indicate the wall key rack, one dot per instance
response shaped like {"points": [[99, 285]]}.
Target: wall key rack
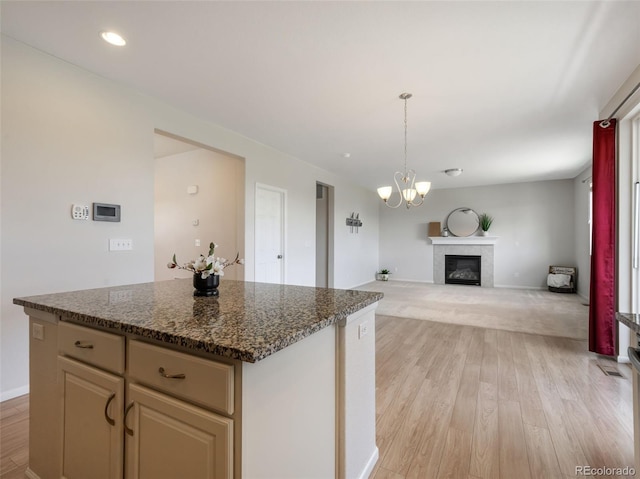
{"points": [[354, 222]]}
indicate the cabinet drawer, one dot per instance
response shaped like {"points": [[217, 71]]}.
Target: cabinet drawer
{"points": [[202, 381], [98, 348]]}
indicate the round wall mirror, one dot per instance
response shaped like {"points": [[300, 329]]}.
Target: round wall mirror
{"points": [[462, 222]]}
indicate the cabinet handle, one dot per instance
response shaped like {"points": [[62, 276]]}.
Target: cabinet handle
{"points": [[106, 410], [162, 373], [124, 421], [83, 345]]}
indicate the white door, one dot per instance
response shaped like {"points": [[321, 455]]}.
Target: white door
{"points": [[269, 243]]}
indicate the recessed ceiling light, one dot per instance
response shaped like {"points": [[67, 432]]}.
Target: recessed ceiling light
{"points": [[346, 155], [113, 38], [453, 171]]}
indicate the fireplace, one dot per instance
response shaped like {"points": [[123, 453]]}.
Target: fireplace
{"points": [[462, 269], [482, 246]]}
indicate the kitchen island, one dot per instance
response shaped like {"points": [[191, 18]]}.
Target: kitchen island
{"points": [[630, 320], [146, 380]]}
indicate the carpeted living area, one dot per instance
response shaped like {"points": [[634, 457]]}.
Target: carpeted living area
{"points": [[521, 310]]}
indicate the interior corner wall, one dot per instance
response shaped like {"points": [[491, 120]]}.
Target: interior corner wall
{"points": [[534, 222], [582, 231], [213, 207], [69, 136]]}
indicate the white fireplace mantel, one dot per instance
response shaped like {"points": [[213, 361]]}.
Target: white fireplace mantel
{"points": [[464, 240]]}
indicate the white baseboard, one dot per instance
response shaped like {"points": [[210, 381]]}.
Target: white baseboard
{"points": [[505, 286], [405, 280], [391, 280], [366, 472], [511, 286], [14, 393], [623, 359], [585, 298], [411, 280], [361, 284]]}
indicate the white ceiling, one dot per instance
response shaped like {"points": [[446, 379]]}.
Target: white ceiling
{"points": [[506, 90]]}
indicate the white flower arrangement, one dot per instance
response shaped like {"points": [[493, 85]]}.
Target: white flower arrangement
{"points": [[206, 265]]}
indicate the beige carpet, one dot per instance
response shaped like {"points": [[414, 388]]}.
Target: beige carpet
{"points": [[521, 310]]}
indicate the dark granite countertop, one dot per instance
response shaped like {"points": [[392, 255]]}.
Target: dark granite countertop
{"points": [[248, 321], [631, 320]]}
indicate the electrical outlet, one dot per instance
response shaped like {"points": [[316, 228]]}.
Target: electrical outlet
{"points": [[120, 244], [38, 331], [363, 330], [197, 242]]}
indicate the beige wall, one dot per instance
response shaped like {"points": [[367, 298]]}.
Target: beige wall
{"points": [[217, 207]]}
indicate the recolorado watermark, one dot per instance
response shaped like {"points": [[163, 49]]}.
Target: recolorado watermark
{"points": [[605, 471]]}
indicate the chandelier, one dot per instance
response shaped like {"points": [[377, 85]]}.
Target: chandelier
{"points": [[410, 193]]}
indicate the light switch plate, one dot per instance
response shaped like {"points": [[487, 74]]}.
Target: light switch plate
{"points": [[120, 244]]}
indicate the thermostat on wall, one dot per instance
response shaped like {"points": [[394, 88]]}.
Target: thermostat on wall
{"points": [[106, 212]]}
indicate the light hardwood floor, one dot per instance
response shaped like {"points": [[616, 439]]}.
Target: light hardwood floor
{"points": [[465, 402], [14, 437]]}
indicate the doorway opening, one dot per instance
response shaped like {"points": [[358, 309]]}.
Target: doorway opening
{"points": [[324, 235], [198, 199]]}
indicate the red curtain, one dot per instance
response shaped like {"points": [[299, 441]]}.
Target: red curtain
{"points": [[602, 324]]}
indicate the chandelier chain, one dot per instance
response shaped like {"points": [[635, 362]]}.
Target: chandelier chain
{"points": [[405, 135]]}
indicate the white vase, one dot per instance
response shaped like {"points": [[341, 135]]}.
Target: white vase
{"points": [[484, 233]]}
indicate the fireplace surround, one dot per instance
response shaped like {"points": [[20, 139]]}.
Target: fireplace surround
{"points": [[482, 246]]}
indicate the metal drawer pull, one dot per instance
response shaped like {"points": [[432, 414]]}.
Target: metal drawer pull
{"points": [[124, 421], [83, 345], [106, 410], [171, 376]]}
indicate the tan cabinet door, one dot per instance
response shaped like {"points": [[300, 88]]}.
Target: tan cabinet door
{"points": [[169, 438], [92, 411]]}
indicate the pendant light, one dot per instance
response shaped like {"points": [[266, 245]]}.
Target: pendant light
{"points": [[410, 193]]}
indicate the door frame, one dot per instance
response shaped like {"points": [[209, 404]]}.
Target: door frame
{"points": [[283, 228], [330, 231]]}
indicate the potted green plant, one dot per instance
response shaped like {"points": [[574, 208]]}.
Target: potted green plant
{"points": [[484, 220], [383, 275]]}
